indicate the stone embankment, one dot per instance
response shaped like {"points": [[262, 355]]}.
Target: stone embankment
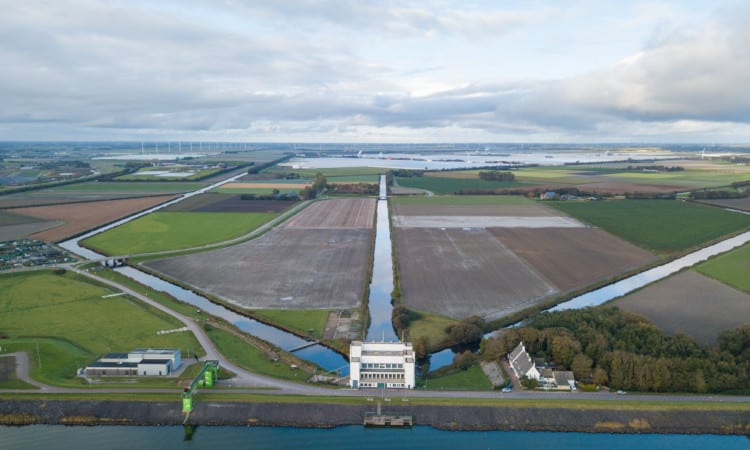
{"points": [[325, 415]]}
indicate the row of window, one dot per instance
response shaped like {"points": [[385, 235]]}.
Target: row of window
{"points": [[382, 366], [374, 385], [382, 376]]}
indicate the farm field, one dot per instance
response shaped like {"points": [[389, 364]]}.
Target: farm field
{"points": [[500, 255], [573, 258], [464, 272], [316, 260], [216, 202], [662, 226], [15, 226], [75, 218], [72, 324], [445, 185], [161, 231], [690, 303], [328, 172], [331, 214], [732, 268], [612, 179], [93, 191]]}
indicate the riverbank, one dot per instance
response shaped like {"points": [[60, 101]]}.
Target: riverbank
{"points": [[329, 415]]}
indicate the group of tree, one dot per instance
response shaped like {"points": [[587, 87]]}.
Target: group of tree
{"points": [[467, 331], [407, 173], [496, 175], [607, 346], [274, 195], [356, 188]]}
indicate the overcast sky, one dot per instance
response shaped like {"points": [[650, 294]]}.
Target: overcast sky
{"points": [[376, 71]]}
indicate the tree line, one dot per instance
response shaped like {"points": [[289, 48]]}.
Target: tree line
{"points": [[606, 346]]}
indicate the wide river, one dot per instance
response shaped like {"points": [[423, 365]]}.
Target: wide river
{"points": [[420, 437]]}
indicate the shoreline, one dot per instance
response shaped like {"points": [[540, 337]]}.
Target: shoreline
{"points": [[327, 415]]}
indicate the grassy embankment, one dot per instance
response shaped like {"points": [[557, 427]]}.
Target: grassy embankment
{"points": [[163, 231], [472, 378], [731, 268], [64, 322], [666, 227], [310, 322]]}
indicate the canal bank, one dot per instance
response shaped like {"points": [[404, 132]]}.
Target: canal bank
{"points": [[595, 418]]}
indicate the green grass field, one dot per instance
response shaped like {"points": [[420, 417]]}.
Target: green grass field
{"points": [[472, 378], [431, 326], [444, 185], [732, 268], [461, 200], [63, 323], [374, 178], [663, 226], [175, 230], [299, 320]]}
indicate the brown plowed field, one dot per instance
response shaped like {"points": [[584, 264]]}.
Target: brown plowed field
{"points": [[692, 304], [743, 204], [459, 273], [573, 258], [285, 268], [217, 202], [80, 217], [530, 210], [339, 213]]}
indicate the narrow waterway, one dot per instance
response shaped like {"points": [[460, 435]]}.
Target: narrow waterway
{"points": [[381, 286]]}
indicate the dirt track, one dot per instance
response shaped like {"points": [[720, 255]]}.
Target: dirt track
{"points": [[692, 304]]}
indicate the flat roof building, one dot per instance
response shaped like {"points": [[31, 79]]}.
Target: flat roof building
{"points": [[381, 365], [138, 362]]}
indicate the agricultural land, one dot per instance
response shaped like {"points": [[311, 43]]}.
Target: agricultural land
{"points": [[75, 218], [731, 268], [493, 256], [162, 231], [316, 260], [663, 226], [691, 304]]}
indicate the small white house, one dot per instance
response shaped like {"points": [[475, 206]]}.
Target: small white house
{"points": [[381, 365], [522, 364]]}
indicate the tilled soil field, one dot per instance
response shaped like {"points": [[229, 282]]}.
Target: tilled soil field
{"points": [[285, 268], [318, 261], [692, 304], [459, 273], [80, 217], [339, 213], [743, 204], [573, 258], [485, 222], [217, 202]]}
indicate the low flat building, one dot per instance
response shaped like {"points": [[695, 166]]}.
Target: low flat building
{"points": [[381, 365], [138, 362]]}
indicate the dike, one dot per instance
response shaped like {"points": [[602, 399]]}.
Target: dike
{"points": [[326, 415]]}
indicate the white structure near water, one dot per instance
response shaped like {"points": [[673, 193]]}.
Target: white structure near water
{"points": [[381, 365]]}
